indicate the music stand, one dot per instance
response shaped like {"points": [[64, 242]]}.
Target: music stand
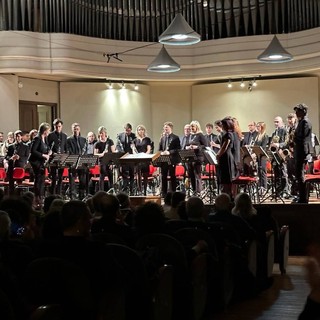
{"points": [[58, 159], [71, 162], [87, 161], [161, 159], [187, 156], [210, 158], [136, 159], [112, 159], [276, 160]]}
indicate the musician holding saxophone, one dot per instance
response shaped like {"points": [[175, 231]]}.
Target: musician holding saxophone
{"points": [[278, 142], [103, 146]]}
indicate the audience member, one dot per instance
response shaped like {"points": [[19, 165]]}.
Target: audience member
{"points": [[176, 199]]}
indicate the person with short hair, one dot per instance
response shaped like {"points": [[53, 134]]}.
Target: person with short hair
{"points": [[39, 155], [124, 144], [302, 149], [75, 145], [169, 145], [57, 141]]}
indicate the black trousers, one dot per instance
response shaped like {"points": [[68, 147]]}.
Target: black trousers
{"points": [[165, 169]]}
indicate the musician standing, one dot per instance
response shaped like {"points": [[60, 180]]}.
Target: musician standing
{"points": [[124, 144], [39, 154], [262, 141], [302, 149], [103, 146], [16, 156], [250, 136], [57, 141], [75, 145], [226, 161], [169, 145], [278, 141], [185, 139], [142, 144], [248, 141], [91, 141], [210, 136], [197, 142]]}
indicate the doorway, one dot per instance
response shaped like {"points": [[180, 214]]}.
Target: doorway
{"points": [[31, 114]]}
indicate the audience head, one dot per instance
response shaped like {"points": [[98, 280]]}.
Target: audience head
{"points": [[110, 207], [195, 208], [124, 200], [76, 219], [149, 218], [19, 212], [243, 206], [223, 202], [48, 201], [168, 198], [177, 197], [5, 225]]}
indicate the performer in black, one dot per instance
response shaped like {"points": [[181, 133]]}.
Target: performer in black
{"points": [[278, 142], [262, 141], [57, 141], [197, 142], [169, 145], [226, 161], [16, 156], [103, 146], [302, 149], [142, 143], [75, 145], [39, 155], [250, 136], [210, 136], [125, 144]]}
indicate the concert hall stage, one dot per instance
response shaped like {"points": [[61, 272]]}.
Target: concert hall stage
{"points": [[303, 219]]}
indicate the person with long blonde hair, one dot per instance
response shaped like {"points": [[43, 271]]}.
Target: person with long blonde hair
{"points": [[143, 144], [197, 141]]}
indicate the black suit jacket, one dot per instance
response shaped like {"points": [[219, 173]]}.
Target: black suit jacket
{"points": [[122, 144], [37, 149], [173, 146], [22, 150], [72, 145], [57, 142], [302, 139], [248, 137]]}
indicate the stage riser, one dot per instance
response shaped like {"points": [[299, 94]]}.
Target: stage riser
{"points": [[137, 201]]}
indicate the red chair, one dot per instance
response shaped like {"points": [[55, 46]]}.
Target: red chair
{"points": [[18, 177], [180, 176], [250, 185], [3, 175]]}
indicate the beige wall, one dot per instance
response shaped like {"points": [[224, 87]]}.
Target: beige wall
{"points": [[92, 104], [9, 105], [269, 99]]}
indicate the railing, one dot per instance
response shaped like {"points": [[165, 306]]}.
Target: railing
{"points": [[145, 20]]}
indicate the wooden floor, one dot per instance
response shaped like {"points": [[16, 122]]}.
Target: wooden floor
{"points": [[284, 300]]}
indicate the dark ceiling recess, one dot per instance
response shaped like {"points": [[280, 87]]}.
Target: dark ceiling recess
{"points": [[138, 20]]}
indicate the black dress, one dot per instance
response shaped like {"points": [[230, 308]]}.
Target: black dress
{"points": [[142, 146], [227, 163]]}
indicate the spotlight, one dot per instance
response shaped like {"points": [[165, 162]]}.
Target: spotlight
{"points": [[250, 86], [123, 86], [110, 86], [254, 83], [230, 84], [136, 87], [20, 84], [242, 84]]}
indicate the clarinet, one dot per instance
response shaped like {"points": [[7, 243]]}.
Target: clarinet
{"points": [[119, 143]]}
